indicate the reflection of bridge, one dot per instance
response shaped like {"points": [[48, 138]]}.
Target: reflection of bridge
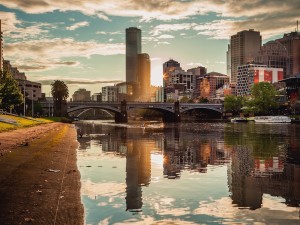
{"points": [[171, 111]]}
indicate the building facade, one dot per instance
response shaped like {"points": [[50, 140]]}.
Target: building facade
{"points": [[273, 54], [291, 42], [253, 73], [133, 48], [109, 94], [210, 83], [81, 95], [244, 46], [169, 67]]}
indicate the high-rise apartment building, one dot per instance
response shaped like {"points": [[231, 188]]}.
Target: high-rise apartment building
{"points": [[291, 42], [273, 54], [1, 48], [133, 48], [244, 46]]}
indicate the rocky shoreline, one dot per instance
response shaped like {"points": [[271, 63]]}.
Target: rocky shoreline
{"points": [[39, 178]]}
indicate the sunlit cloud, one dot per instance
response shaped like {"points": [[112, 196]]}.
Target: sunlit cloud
{"points": [[78, 25]]}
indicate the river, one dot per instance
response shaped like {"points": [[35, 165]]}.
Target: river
{"points": [[189, 173]]}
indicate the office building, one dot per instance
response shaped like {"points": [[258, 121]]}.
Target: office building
{"points": [[244, 46], [291, 42], [133, 48], [253, 73], [273, 54]]}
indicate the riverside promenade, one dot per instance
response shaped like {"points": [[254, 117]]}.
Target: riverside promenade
{"points": [[39, 179]]}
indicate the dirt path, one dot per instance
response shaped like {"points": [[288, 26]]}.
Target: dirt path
{"points": [[39, 179]]}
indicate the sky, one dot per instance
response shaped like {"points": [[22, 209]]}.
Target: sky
{"points": [[82, 42]]}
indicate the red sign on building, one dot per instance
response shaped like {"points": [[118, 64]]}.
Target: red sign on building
{"points": [[268, 76], [256, 76]]}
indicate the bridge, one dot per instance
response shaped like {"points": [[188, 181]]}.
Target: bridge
{"points": [[171, 111]]}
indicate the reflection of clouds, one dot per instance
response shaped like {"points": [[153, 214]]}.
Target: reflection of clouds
{"points": [[152, 221], [174, 212], [90, 189], [273, 210]]}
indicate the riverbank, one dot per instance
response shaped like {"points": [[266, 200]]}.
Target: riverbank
{"points": [[39, 179]]}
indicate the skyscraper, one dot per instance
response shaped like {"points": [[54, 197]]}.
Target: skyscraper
{"points": [[244, 46], [1, 49], [133, 48], [143, 78]]}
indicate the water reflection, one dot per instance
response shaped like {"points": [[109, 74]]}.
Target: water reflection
{"points": [[179, 170]]}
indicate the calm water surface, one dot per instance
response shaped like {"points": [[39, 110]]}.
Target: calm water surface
{"points": [[189, 173]]}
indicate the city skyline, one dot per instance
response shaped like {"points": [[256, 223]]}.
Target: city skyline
{"points": [[83, 44]]}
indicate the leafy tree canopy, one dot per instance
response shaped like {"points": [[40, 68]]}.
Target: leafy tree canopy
{"points": [[10, 94], [263, 98], [233, 104]]}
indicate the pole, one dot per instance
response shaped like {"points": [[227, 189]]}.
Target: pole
{"points": [[24, 100], [49, 104], [32, 102]]}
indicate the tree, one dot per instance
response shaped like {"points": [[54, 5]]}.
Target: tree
{"points": [[10, 94], [184, 99], [60, 93], [263, 98], [233, 104]]}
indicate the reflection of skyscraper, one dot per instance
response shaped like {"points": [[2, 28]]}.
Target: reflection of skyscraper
{"points": [[138, 172], [244, 191], [133, 48]]}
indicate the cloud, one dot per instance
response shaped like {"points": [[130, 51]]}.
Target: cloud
{"points": [[146, 9], [77, 81], [13, 28], [78, 25], [162, 28], [50, 53], [166, 36]]}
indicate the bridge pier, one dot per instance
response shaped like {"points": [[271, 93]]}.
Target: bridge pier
{"points": [[122, 117], [173, 117]]}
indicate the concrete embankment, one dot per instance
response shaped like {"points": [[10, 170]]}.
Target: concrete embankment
{"points": [[39, 179]]}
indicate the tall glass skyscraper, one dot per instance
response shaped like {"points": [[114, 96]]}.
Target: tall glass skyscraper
{"points": [[133, 48]]}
